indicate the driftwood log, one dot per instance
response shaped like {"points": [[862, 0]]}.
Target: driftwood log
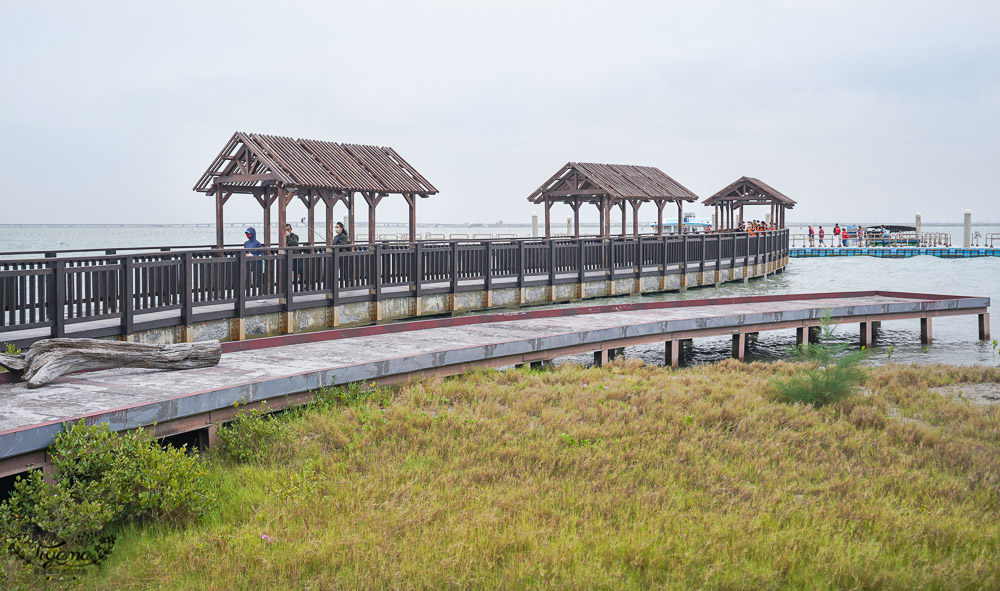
{"points": [[47, 360]]}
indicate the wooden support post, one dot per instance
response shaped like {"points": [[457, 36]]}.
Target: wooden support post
{"points": [[548, 218], [623, 205], [351, 201], [329, 202], [680, 217], [673, 354], [739, 346], [412, 201], [635, 217], [601, 357], [866, 335], [311, 219], [659, 217], [576, 218], [219, 239], [283, 200], [984, 327], [926, 335]]}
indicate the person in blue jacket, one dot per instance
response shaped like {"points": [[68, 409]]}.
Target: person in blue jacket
{"points": [[252, 244]]}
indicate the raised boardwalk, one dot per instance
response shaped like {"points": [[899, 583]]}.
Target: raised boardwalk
{"points": [[281, 369]]}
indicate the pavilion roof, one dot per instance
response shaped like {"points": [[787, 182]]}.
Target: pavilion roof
{"points": [[748, 190], [590, 181], [251, 160]]}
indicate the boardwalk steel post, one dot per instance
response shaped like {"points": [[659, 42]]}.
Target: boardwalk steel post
{"points": [[520, 272], [127, 307], [601, 357], [187, 293], [418, 269], [866, 335], [552, 270], [984, 327], [739, 346], [57, 312], [926, 335], [672, 354], [454, 275], [238, 326], [488, 276]]}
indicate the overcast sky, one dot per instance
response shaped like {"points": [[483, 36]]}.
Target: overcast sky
{"points": [[867, 110]]}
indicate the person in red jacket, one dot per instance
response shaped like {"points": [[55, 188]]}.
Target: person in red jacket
{"points": [[837, 240], [822, 234]]}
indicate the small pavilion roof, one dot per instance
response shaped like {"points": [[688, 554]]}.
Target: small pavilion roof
{"points": [[252, 160], [590, 181], [748, 190]]}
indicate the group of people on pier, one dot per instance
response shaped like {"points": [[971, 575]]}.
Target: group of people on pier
{"points": [[841, 236]]}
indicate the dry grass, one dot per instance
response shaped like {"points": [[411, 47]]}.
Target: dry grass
{"points": [[623, 477]]}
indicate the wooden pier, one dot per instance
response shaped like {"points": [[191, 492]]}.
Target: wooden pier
{"points": [[280, 371], [228, 294]]}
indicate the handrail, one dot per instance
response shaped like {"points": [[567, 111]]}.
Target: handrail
{"points": [[50, 293]]}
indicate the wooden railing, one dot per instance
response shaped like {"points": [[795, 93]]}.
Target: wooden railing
{"points": [[119, 294]]}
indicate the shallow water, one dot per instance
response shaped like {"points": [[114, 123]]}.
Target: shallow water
{"points": [[955, 338]]}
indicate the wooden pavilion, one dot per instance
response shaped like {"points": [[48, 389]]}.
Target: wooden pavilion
{"points": [[280, 169], [748, 191], [608, 186]]}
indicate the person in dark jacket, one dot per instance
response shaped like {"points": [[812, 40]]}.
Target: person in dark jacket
{"points": [[291, 238], [341, 238]]}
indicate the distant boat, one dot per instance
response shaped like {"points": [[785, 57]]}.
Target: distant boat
{"points": [[691, 224]]}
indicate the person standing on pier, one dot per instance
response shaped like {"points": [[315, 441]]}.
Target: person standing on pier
{"points": [[822, 233], [292, 239], [837, 238], [812, 237], [341, 238], [252, 244]]}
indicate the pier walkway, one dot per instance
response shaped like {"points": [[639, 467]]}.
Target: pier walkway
{"points": [[281, 370], [892, 252]]}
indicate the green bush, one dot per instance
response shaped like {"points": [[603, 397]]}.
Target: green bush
{"points": [[246, 438], [99, 482], [834, 372]]}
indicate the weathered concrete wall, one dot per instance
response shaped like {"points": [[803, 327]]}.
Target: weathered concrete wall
{"points": [[362, 313]]}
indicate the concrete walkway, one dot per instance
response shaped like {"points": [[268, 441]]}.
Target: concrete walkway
{"points": [[128, 398]]}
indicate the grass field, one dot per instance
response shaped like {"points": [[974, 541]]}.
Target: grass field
{"points": [[623, 477]]}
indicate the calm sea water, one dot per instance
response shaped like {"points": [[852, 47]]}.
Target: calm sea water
{"points": [[955, 339]]}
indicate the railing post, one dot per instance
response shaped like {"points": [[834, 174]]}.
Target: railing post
{"points": [[552, 263], [704, 239], [377, 272], [241, 284], [454, 268], [127, 305], [418, 269], [335, 276], [611, 259], [289, 279], [187, 291], [638, 257], [666, 257], [520, 264], [684, 254], [58, 311], [488, 271]]}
